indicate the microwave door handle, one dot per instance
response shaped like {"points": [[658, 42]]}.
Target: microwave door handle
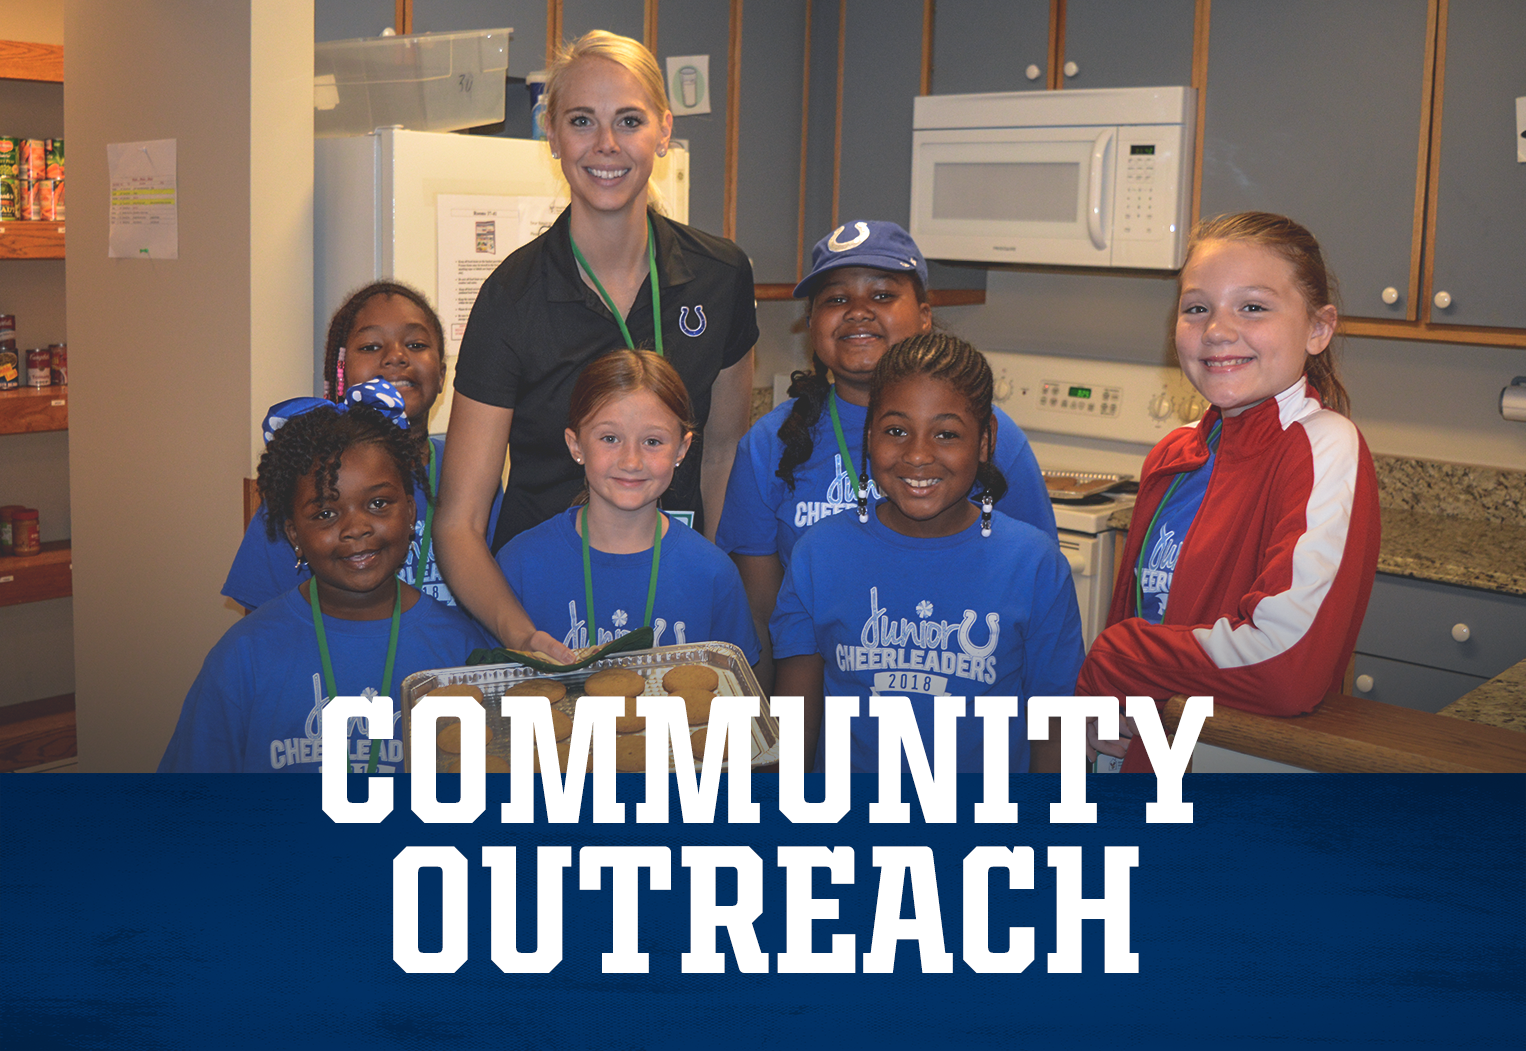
{"points": [[1094, 188]]}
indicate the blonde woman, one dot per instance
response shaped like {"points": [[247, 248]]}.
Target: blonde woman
{"points": [[611, 273]]}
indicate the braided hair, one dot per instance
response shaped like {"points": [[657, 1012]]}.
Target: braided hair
{"points": [[940, 356], [810, 388], [344, 320], [313, 443]]}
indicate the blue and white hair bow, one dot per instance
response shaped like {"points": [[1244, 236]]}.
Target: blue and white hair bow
{"points": [[376, 393]]}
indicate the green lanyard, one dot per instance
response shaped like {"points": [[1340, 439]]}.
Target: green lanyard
{"points": [[329, 684], [651, 591], [651, 257], [1144, 548], [842, 445], [434, 477]]}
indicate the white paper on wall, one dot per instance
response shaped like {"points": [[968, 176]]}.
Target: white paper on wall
{"points": [[144, 215]]}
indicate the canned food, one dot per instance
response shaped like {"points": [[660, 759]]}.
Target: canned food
{"points": [[10, 157], [39, 367], [10, 199], [59, 352], [7, 515], [58, 201], [26, 535], [34, 159], [54, 159], [10, 367]]}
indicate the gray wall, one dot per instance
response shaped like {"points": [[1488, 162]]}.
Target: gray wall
{"points": [[172, 360]]}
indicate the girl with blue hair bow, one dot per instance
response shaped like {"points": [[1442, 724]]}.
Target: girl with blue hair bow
{"points": [[338, 482]]}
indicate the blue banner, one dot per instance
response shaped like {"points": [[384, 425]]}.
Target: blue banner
{"points": [[229, 911]]}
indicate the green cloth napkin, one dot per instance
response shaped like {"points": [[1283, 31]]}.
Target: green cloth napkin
{"points": [[640, 639]]}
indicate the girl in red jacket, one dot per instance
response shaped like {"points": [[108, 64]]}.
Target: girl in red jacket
{"points": [[1267, 506]]}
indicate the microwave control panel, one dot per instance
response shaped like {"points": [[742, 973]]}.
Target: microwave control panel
{"points": [[1150, 195]]}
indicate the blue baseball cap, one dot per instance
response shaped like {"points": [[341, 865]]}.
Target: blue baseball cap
{"points": [[879, 245]]}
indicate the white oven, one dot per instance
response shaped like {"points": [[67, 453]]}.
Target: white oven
{"points": [[1081, 417]]}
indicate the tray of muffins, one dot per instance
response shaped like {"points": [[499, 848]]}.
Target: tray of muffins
{"points": [[696, 672]]}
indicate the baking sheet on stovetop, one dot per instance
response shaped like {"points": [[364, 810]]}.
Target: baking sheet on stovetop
{"points": [[1078, 485]]}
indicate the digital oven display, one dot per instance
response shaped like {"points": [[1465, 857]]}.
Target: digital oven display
{"points": [[1080, 392]]}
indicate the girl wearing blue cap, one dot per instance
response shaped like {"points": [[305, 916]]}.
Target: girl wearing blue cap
{"points": [[338, 483], [867, 291]]}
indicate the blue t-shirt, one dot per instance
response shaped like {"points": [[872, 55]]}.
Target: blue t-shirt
{"points": [[1167, 532], [265, 568], [763, 516], [962, 616], [699, 592], [256, 704]]}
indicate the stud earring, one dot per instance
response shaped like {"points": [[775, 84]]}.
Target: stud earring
{"points": [[985, 514], [863, 498], [555, 156], [662, 152]]}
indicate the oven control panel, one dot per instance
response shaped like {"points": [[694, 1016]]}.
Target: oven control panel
{"points": [[1118, 400]]}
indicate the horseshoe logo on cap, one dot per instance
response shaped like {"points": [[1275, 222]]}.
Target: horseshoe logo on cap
{"points": [[683, 321], [835, 245]]}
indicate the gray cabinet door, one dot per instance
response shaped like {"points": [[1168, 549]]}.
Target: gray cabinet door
{"points": [[1413, 621], [1126, 44], [1313, 111], [988, 45], [1481, 197], [1412, 685]]}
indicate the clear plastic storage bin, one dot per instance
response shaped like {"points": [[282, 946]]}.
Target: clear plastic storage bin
{"points": [[424, 82]]}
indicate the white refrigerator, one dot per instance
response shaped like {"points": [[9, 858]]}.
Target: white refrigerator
{"points": [[438, 211]]}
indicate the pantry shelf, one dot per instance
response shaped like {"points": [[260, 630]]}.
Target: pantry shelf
{"points": [[36, 578], [30, 410], [32, 240]]}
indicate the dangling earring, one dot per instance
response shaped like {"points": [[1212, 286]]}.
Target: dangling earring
{"points": [[985, 513], [863, 498], [301, 561], [339, 376]]}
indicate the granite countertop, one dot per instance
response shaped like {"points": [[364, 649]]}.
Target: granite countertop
{"points": [[1446, 523], [1499, 702]]}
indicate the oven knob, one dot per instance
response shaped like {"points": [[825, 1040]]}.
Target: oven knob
{"points": [[1192, 409], [1003, 389], [1160, 406]]}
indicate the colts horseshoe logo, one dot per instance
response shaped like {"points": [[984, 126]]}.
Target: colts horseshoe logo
{"points": [[683, 321], [834, 244]]}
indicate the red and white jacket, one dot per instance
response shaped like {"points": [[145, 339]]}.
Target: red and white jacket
{"points": [[1275, 572]]}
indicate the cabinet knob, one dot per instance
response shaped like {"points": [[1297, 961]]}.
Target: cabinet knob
{"points": [[1460, 633], [1442, 300], [1364, 683], [1071, 69], [1390, 295], [1033, 72]]}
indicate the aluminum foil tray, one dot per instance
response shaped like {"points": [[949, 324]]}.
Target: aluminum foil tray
{"points": [[736, 680], [1078, 485]]}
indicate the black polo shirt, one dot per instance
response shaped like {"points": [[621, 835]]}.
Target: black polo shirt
{"points": [[535, 326]]}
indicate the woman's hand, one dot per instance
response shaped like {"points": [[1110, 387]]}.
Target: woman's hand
{"points": [[540, 642]]}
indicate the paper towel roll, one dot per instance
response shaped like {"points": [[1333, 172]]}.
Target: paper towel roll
{"points": [[1513, 400]]}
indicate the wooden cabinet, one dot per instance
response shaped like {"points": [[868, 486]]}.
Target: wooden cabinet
{"points": [[28, 410], [990, 45], [1478, 186], [1424, 645], [1126, 44], [1312, 110], [1405, 106]]}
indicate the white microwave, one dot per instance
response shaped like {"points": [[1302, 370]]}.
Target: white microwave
{"points": [[1095, 177]]}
